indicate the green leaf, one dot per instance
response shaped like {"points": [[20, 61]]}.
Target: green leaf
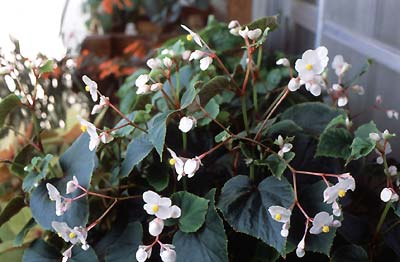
{"points": [[7, 105], [77, 161], [350, 253], [80, 255], [37, 171], [125, 247], [313, 117], [335, 142], [263, 23], [127, 129], [46, 67], [193, 208], [276, 164], [212, 88], [12, 208], [245, 207], [157, 175], [208, 244], [19, 239], [212, 108], [158, 130], [22, 159], [137, 150], [188, 96], [41, 251], [362, 145], [222, 136], [274, 77], [340, 120], [282, 127]]}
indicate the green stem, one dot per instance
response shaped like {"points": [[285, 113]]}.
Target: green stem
{"points": [[382, 218], [184, 141], [251, 172], [178, 83], [244, 112], [259, 57], [255, 102], [184, 183]]}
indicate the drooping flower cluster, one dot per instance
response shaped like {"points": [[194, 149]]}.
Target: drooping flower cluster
{"points": [[142, 82], [184, 166], [162, 208], [284, 145], [331, 194], [62, 203]]}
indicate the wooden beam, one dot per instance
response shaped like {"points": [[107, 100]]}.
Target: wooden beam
{"points": [[240, 10]]}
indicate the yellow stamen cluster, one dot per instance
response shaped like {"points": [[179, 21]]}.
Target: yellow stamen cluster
{"points": [[278, 217], [59, 234], [341, 193], [309, 67], [155, 208], [87, 88], [172, 161], [83, 128], [325, 229], [189, 37], [72, 235]]}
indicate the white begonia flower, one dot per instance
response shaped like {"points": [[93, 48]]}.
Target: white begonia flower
{"points": [[187, 123], [285, 147], [106, 137], [392, 170], [342, 101], [339, 65], [322, 223], [73, 235], [283, 61], [72, 185], [143, 253], [315, 85], [157, 205], [91, 87], [392, 114], [254, 34], [167, 253], [300, 248], [282, 215], [156, 226], [294, 84], [194, 35], [168, 52], [184, 166], [156, 87], [243, 33], [388, 194], [167, 62], [312, 63], [374, 137], [154, 63], [144, 89], [175, 211], [358, 89], [205, 62], [336, 209], [339, 190], [62, 205], [142, 80], [234, 27], [97, 108], [67, 254], [91, 130], [186, 54], [197, 54]]}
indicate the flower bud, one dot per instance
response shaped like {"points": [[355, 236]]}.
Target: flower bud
{"points": [[168, 255], [143, 253], [156, 226]]}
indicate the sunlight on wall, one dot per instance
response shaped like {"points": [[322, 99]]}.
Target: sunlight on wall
{"points": [[35, 23]]}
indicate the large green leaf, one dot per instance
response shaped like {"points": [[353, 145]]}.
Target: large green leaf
{"points": [[158, 130], [208, 244], [313, 117], [40, 251], [80, 255], [137, 150], [77, 161], [157, 175], [125, 247], [245, 207], [193, 208], [277, 165], [213, 87], [212, 108], [335, 142], [188, 96], [12, 208], [7, 105], [362, 145], [350, 253]]}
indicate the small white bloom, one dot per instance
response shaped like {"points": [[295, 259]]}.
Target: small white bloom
{"points": [[73, 235], [157, 205], [97, 108], [358, 89], [168, 52], [142, 80], [67, 254], [143, 253], [186, 54], [194, 35], [156, 87], [315, 85], [339, 65], [312, 62], [191, 166], [167, 253], [184, 166], [175, 211], [197, 54], [154, 63], [388, 194], [144, 89], [300, 248], [254, 34], [186, 124], [106, 137], [374, 137], [392, 170], [62, 204], [379, 160], [156, 226], [339, 190], [167, 62], [285, 147], [378, 100], [294, 84], [392, 114], [283, 61], [336, 209], [233, 24], [342, 101], [91, 87], [280, 214], [243, 33], [91, 130], [322, 223], [205, 62], [72, 185]]}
